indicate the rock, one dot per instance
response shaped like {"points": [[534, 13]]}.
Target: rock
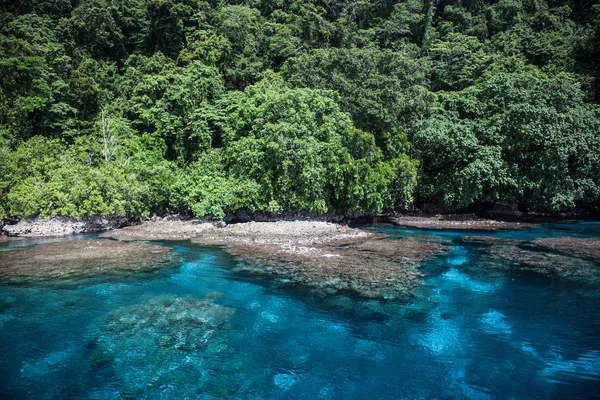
{"points": [[456, 222], [63, 226], [282, 232], [499, 211], [42, 227], [264, 232], [78, 258], [160, 230]]}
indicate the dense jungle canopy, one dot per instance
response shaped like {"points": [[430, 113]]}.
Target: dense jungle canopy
{"points": [[131, 107]]}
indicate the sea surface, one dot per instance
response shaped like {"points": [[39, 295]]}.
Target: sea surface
{"points": [[200, 330]]}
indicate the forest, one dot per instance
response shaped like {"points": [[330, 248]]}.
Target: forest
{"points": [[134, 107]]}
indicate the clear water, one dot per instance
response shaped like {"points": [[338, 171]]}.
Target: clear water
{"points": [[470, 334]]}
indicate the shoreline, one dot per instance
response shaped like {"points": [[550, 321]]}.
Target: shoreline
{"points": [[63, 226]]}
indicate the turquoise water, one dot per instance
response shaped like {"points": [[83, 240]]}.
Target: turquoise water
{"points": [[200, 330]]}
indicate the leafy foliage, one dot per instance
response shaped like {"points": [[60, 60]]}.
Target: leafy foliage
{"points": [[520, 137], [138, 106]]}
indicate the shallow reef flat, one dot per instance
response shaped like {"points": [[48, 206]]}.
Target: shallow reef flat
{"points": [[566, 257], [324, 256], [457, 222], [327, 257], [578, 247], [78, 258], [283, 233]]}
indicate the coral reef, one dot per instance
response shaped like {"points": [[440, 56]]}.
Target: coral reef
{"points": [[457, 222], [78, 258], [566, 257], [489, 240], [578, 247], [326, 257], [168, 348]]}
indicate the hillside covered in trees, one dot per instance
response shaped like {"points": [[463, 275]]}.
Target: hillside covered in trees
{"points": [[130, 107]]}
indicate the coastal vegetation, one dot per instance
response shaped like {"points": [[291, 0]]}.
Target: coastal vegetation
{"points": [[152, 106]]}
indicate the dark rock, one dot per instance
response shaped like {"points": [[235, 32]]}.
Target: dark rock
{"points": [[504, 211]]}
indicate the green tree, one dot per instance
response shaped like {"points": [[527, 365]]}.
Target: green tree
{"points": [[382, 90], [515, 138], [171, 102], [307, 154]]}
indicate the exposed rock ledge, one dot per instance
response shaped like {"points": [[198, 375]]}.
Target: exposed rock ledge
{"points": [[58, 226], [458, 222], [160, 230], [324, 256]]}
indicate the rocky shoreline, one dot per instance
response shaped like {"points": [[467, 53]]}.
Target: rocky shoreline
{"points": [[61, 226]]}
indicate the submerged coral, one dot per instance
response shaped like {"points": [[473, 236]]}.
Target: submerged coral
{"points": [[325, 256], [78, 258], [167, 347], [566, 257], [489, 240], [578, 247]]}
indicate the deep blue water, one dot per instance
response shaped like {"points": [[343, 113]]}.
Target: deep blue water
{"points": [[469, 333]]}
